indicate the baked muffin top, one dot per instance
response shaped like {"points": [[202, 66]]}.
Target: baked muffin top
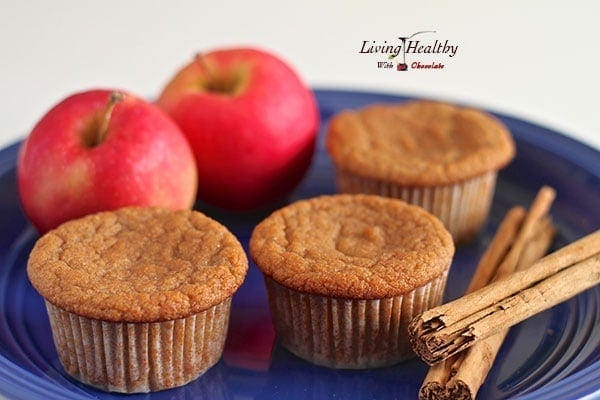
{"points": [[352, 246], [418, 143], [137, 265]]}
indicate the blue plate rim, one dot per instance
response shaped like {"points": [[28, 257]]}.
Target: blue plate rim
{"points": [[14, 377]]}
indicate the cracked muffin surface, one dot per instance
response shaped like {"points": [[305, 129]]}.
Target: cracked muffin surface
{"points": [[352, 246], [138, 265], [418, 143]]}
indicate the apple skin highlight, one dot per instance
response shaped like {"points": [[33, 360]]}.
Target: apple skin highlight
{"points": [[143, 160], [251, 122]]}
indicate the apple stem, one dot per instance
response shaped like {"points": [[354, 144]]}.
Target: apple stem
{"points": [[200, 59], [113, 99]]}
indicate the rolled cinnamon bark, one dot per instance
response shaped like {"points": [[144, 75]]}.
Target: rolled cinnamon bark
{"points": [[520, 240], [448, 329], [434, 384], [477, 361]]}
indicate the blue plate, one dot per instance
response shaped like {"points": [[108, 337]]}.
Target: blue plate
{"points": [[554, 355]]}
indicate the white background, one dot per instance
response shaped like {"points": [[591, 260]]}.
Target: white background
{"points": [[534, 59]]}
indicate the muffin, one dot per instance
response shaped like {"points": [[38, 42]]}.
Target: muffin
{"points": [[345, 274], [138, 298], [441, 157]]}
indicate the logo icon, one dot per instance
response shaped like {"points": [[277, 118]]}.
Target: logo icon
{"points": [[403, 66]]}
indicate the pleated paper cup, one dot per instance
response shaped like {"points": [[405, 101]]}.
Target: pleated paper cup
{"points": [[139, 357], [463, 207], [349, 333]]}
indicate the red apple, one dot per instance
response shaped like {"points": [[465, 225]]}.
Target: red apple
{"points": [[251, 123], [101, 150]]}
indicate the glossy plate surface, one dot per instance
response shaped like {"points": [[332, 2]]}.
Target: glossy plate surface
{"points": [[554, 355]]}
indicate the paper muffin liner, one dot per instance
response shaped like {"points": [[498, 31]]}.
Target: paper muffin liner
{"points": [[349, 333], [462, 207], [139, 357]]}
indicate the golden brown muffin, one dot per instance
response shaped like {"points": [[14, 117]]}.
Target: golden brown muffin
{"points": [[138, 298], [439, 156], [346, 273]]}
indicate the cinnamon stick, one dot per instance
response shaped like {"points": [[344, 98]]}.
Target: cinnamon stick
{"points": [[538, 210], [499, 246], [538, 245], [453, 327], [455, 378], [514, 240], [434, 384], [477, 361]]}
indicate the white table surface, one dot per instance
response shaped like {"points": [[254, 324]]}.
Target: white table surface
{"points": [[537, 60]]}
